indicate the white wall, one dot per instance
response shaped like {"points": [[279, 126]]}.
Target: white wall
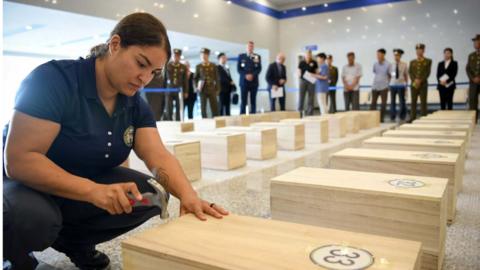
{"points": [[438, 31]]}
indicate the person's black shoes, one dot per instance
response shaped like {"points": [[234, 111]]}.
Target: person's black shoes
{"points": [[85, 259]]}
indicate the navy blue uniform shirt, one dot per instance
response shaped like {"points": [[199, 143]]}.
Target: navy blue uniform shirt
{"points": [[249, 65], [90, 141]]}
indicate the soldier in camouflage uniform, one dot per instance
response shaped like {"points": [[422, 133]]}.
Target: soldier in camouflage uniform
{"points": [[473, 72], [176, 78], [207, 83], [419, 71]]}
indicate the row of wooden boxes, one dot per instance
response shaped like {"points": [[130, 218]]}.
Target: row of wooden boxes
{"points": [[401, 185], [219, 144], [238, 242]]}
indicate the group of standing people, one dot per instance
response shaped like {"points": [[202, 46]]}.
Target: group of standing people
{"points": [[319, 77], [212, 82]]}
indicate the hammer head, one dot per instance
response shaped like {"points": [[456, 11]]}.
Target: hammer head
{"points": [[159, 198]]}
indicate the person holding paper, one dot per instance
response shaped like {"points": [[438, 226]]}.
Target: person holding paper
{"points": [[276, 78], [351, 74], [306, 67], [446, 73], [321, 86], [419, 71]]}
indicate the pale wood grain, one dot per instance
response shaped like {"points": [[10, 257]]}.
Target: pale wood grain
{"points": [[261, 143], [316, 130], [290, 136]]}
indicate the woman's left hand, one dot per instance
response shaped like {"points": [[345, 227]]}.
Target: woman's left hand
{"points": [[193, 204]]}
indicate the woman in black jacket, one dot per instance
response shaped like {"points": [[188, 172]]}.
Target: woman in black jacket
{"points": [[446, 73]]}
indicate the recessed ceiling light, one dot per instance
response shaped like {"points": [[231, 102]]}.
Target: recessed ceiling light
{"points": [[155, 4], [329, 20], [379, 20], [229, 2], [28, 27], [434, 25], [419, 2], [347, 30], [427, 15], [364, 9], [366, 27], [325, 5], [402, 37], [455, 11], [161, 6], [196, 15], [304, 8], [364, 37], [217, 52], [404, 18], [185, 48], [54, 1], [349, 18], [182, 57], [183, 1], [379, 35], [390, 5]]}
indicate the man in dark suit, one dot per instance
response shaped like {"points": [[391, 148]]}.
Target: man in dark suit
{"points": [[446, 73], [249, 66], [227, 86], [276, 78]]}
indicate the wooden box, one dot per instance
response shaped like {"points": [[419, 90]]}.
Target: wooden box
{"points": [[220, 150], [369, 119], [316, 130], [465, 128], [242, 120], [238, 242], [261, 143], [187, 152], [392, 205], [417, 163], [445, 122], [447, 135], [170, 128], [470, 115], [290, 136], [281, 115], [337, 124], [354, 119], [208, 124]]}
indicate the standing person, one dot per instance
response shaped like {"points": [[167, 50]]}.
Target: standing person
{"points": [[419, 71], [249, 67], [473, 72], [277, 77], [446, 73], [192, 96], [226, 84], [306, 87], [176, 78], [207, 83], [332, 83], [321, 85], [157, 100], [398, 86], [382, 70], [351, 75], [75, 122]]}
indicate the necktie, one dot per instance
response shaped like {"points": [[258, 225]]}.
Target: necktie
{"points": [[396, 72]]}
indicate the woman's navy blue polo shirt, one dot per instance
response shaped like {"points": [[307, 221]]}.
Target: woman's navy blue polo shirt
{"points": [[90, 141]]}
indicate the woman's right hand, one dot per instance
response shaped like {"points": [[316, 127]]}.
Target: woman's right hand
{"points": [[113, 198]]}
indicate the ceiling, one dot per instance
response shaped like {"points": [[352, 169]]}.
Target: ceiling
{"points": [[36, 31], [287, 4]]}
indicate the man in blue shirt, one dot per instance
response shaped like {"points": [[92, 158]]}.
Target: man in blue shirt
{"points": [[249, 67], [381, 80], [75, 122]]}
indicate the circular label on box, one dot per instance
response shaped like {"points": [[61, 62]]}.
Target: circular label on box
{"points": [[338, 257], [443, 142], [429, 155], [406, 183]]}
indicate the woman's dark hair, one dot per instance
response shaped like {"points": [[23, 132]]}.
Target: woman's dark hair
{"points": [[322, 55], [141, 29], [448, 50]]}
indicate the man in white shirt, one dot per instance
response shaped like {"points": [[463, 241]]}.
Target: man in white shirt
{"points": [[398, 86], [351, 74]]}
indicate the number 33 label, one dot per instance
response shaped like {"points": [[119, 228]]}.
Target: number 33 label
{"points": [[336, 257]]}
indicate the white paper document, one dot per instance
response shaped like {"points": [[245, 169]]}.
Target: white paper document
{"points": [[200, 85], [445, 77], [277, 92], [309, 77]]}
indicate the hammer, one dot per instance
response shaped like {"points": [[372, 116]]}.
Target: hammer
{"points": [[158, 199]]}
